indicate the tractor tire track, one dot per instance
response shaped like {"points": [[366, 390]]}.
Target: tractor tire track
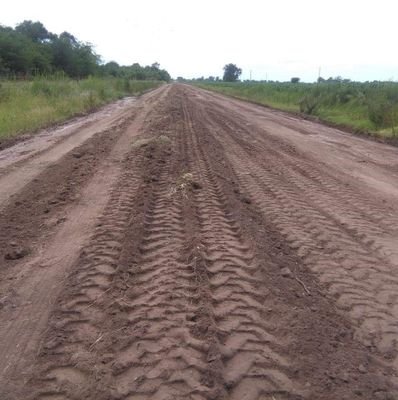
{"points": [[356, 269], [83, 312], [361, 215], [253, 367]]}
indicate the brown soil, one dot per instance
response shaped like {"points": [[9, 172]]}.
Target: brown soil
{"points": [[199, 247]]}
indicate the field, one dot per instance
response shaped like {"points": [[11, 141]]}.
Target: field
{"points": [[187, 245], [370, 108], [26, 106]]}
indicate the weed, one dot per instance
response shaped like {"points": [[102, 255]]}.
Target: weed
{"points": [[30, 105], [184, 184], [369, 106]]}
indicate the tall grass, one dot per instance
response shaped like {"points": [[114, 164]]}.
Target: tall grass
{"points": [[28, 106], [366, 107]]}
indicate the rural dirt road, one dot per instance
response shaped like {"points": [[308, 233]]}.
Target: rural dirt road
{"points": [[184, 245]]}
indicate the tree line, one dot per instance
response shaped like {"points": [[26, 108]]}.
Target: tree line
{"points": [[30, 49]]}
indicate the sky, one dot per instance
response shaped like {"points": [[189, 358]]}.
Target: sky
{"points": [[269, 39]]}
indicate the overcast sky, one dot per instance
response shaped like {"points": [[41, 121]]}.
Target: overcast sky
{"points": [[274, 39]]}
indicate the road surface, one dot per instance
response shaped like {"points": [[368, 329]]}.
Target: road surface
{"points": [[185, 245]]}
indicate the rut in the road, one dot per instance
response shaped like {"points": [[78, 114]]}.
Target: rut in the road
{"points": [[71, 366], [338, 234], [252, 365]]}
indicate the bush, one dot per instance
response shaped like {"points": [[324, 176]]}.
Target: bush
{"points": [[309, 104]]}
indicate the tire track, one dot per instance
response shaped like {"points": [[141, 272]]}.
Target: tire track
{"points": [[363, 216], [74, 367], [354, 268], [165, 357], [253, 367], [164, 360], [76, 355]]}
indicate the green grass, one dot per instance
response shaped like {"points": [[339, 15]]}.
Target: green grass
{"points": [[30, 105], [365, 107]]}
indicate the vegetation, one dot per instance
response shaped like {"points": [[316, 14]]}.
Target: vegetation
{"points": [[36, 72], [134, 72], [31, 50], [367, 107], [231, 73], [29, 105]]}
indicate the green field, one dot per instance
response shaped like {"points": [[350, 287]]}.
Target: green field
{"points": [[26, 106], [365, 107]]}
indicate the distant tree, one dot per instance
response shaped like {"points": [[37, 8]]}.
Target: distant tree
{"points": [[231, 73], [111, 68], [295, 80], [76, 59], [34, 31], [31, 49], [17, 51]]}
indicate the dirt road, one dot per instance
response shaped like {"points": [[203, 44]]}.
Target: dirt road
{"points": [[184, 245]]}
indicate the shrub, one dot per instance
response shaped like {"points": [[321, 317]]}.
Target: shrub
{"points": [[309, 104]]}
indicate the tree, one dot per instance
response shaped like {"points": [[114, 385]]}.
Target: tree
{"points": [[111, 68], [231, 73], [295, 80], [35, 31], [76, 59], [31, 49]]}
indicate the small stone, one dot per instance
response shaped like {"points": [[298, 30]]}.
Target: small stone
{"points": [[196, 185], [345, 377], [107, 358], [331, 375], [362, 369], [285, 272], [246, 200], [16, 254], [77, 154]]}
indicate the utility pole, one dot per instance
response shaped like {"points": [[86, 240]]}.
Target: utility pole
{"points": [[250, 74], [319, 73]]}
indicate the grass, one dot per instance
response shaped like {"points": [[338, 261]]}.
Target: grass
{"points": [[370, 107], [30, 105]]}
